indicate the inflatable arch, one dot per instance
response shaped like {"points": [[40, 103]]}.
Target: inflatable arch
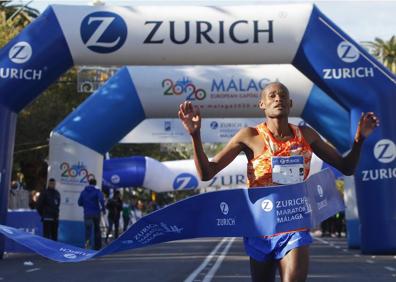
{"points": [[289, 34], [223, 91], [169, 176]]}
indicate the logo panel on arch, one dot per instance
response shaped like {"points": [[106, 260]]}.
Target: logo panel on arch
{"points": [[103, 32]]}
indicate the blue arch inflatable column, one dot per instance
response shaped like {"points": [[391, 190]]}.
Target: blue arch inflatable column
{"points": [[28, 67], [344, 70], [84, 137], [8, 120]]}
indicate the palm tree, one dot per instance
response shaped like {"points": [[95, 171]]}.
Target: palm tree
{"points": [[385, 51], [13, 18], [12, 9]]}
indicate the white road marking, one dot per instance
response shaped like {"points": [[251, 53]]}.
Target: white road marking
{"points": [[32, 269], [195, 273], [219, 260], [390, 268], [356, 255], [369, 261]]}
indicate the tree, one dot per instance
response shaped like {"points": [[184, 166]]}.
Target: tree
{"points": [[13, 18], [385, 51], [12, 10]]}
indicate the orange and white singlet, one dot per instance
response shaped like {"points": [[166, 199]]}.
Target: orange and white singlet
{"points": [[262, 170], [281, 162]]}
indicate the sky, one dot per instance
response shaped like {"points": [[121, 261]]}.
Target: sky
{"points": [[362, 20]]}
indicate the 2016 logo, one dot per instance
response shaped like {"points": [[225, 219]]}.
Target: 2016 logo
{"points": [[267, 205], [385, 151], [185, 181], [224, 208], [347, 52], [20, 53], [103, 32], [183, 86]]}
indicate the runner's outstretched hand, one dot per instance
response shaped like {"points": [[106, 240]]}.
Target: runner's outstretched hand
{"points": [[367, 123], [190, 117]]}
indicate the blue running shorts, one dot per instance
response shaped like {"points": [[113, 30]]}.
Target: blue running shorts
{"points": [[275, 247]]}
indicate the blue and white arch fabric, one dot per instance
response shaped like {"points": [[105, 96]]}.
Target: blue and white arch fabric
{"points": [[139, 171], [233, 92], [78, 143]]}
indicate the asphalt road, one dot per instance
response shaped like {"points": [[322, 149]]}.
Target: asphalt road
{"points": [[214, 259]]}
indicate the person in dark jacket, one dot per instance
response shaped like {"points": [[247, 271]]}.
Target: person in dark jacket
{"points": [[48, 207], [91, 199], [114, 205]]}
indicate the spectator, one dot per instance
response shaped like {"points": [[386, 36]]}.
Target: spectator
{"points": [[48, 207], [126, 213], [114, 205], [91, 199], [18, 197]]}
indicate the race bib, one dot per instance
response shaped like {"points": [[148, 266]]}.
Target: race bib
{"points": [[287, 170]]}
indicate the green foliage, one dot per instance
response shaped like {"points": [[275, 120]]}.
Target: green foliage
{"points": [[12, 10], [385, 51]]}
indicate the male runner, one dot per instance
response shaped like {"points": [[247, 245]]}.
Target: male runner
{"points": [[263, 146]]}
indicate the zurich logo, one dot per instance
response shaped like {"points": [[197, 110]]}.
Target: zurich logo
{"points": [[347, 52], [224, 208], [385, 151], [185, 181], [70, 256], [103, 32], [167, 125], [115, 179], [214, 125], [267, 205], [20, 53]]}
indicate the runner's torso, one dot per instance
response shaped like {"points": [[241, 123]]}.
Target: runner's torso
{"points": [[274, 152], [261, 169]]}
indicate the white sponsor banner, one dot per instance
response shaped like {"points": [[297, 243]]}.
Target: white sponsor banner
{"points": [[213, 130], [72, 164], [218, 91], [182, 175], [143, 35]]}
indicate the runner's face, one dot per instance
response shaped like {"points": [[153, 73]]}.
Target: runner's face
{"points": [[275, 101]]}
